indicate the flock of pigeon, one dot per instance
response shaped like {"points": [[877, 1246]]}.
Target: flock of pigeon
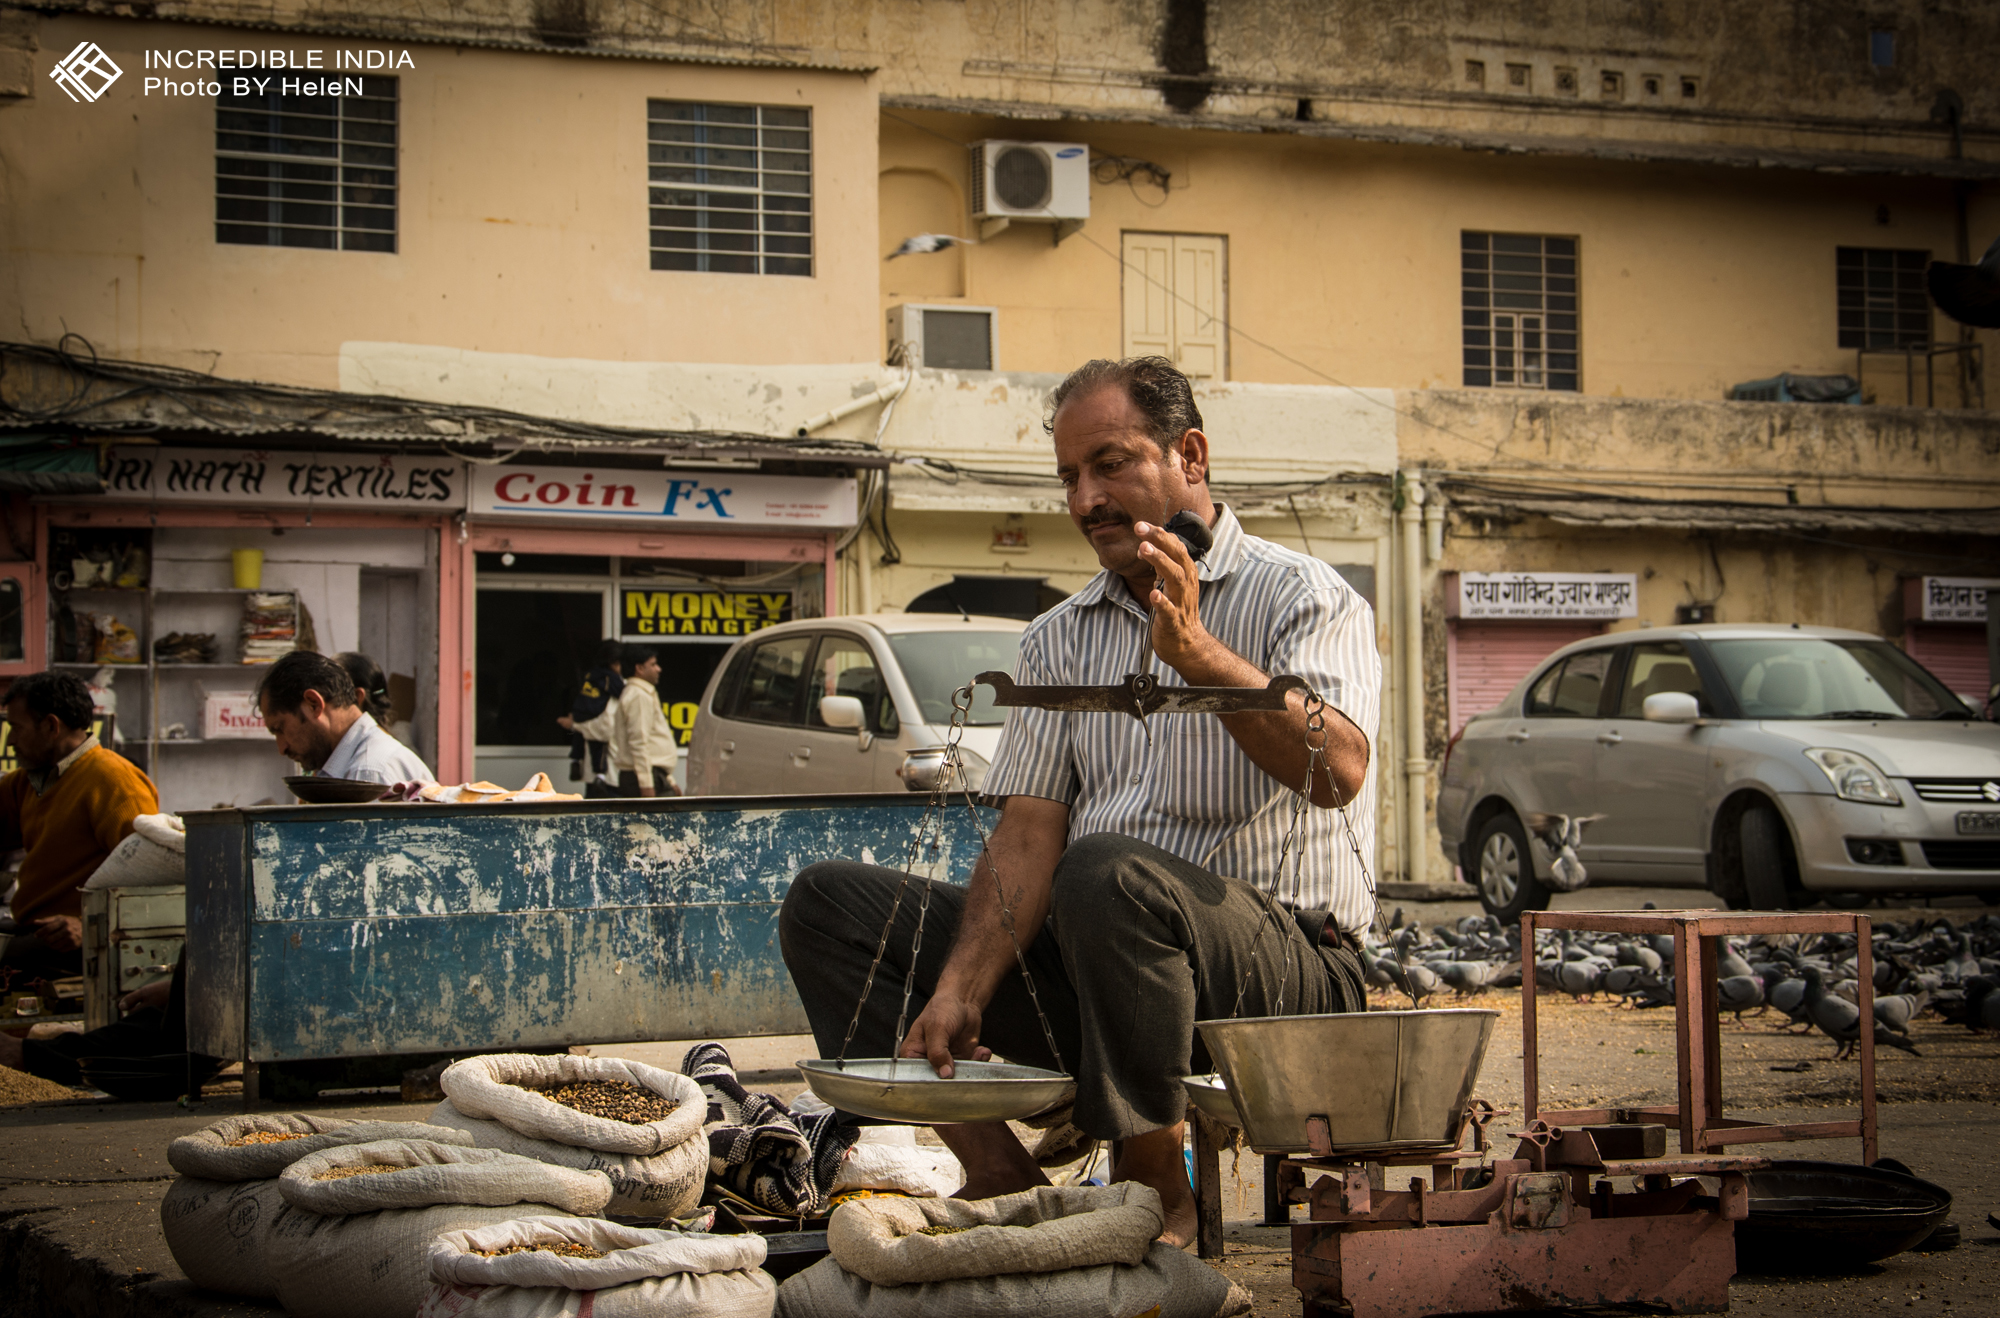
{"points": [[1952, 972]]}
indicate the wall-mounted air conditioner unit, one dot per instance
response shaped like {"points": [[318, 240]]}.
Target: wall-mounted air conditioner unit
{"points": [[944, 337], [1046, 182]]}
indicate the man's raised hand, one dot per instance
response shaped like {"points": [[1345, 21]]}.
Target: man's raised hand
{"points": [[1178, 636]]}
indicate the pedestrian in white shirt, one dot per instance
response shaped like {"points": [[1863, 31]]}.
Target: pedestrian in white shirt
{"points": [[644, 749], [310, 706]]}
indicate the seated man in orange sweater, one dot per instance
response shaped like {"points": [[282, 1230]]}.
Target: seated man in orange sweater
{"points": [[69, 804]]}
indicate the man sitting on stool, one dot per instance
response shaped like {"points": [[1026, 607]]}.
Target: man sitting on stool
{"points": [[69, 804]]}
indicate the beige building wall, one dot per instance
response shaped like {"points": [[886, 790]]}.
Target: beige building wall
{"points": [[522, 220], [1343, 257]]}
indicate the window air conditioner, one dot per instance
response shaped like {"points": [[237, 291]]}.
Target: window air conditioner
{"points": [[946, 338], [1047, 181]]}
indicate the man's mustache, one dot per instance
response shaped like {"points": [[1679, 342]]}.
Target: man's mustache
{"points": [[1104, 519]]}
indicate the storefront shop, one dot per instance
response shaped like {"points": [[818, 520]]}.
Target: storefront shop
{"points": [[1499, 625], [1944, 621], [172, 591], [563, 558], [484, 591]]}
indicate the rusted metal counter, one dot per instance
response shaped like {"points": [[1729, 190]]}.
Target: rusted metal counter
{"points": [[354, 931]]}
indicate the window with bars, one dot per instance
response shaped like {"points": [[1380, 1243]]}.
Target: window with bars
{"points": [[1519, 311], [308, 171], [730, 187], [1883, 303]]}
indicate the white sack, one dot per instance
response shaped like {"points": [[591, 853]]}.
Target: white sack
{"points": [[167, 830], [663, 1185], [644, 1274], [219, 1232], [207, 1153], [434, 1173], [1181, 1285], [490, 1088], [138, 862], [916, 1169], [1047, 1229], [370, 1265]]}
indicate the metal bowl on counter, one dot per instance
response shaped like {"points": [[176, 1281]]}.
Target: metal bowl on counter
{"points": [[906, 1089], [1384, 1080], [315, 790]]}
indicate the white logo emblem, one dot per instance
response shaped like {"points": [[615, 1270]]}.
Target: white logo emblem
{"points": [[1991, 791], [86, 73]]}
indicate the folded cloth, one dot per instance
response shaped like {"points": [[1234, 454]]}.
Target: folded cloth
{"points": [[783, 1162]]}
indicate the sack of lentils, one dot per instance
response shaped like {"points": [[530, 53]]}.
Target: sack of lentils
{"points": [[568, 1267], [638, 1124], [218, 1216], [357, 1244]]}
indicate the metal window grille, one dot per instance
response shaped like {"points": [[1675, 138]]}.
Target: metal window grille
{"points": [[1519, 311], [1882, 301], [308, 171], [730, 187]]}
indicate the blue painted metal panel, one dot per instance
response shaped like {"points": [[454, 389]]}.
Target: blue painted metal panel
{"points": [[395, 929]]}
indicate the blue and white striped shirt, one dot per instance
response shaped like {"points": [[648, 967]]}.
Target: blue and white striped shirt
{"points": [[1193, 791]]}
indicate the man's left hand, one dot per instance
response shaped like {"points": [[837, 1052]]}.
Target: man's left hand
{"points": [[60, 933], [1178, 636]]}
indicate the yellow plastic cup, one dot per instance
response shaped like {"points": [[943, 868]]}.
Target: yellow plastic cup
{"points": [[249, 567]]}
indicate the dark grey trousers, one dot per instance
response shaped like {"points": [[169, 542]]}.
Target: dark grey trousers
{"points": [[1139, 945]]}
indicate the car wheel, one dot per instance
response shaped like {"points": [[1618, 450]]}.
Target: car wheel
{"points": [[1770, 875], [1506, 870]]}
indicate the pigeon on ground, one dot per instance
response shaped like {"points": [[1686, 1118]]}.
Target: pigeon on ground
{"points": [[1579, 979], [925, 243], [1840, 1020], [1729, 963], [1470, 978], [1789, 996], [1896, 1011], [1738, 994]]}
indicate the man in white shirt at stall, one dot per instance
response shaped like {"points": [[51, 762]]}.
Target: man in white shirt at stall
{"points": [[310, 706]]}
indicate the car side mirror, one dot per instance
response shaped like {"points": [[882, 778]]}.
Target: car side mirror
{"points": [[1671, 707], [841, 712]]}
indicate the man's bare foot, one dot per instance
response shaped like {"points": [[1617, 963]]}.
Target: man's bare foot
{"points": [[1155, 1159], [994, 1161]]}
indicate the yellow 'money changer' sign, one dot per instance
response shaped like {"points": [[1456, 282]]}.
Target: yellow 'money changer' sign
{"points": [[703, 612]]}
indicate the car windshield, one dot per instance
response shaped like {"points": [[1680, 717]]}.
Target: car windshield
{"points": [[1811, 677], [938, 663]]}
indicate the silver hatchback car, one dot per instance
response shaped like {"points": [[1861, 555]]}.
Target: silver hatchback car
{"points": [[855, 704], [1770, 764]]}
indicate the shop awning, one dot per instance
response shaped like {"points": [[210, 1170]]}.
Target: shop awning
{"points": [[1703, 515], [101, 399], [36, 462]]}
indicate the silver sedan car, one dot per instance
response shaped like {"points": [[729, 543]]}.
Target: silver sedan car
{"points": [[1771, 764]]}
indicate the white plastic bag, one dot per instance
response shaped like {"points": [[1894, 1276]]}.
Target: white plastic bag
{"points": [[1177, 1283], [643, 1274], [433, 1173]]}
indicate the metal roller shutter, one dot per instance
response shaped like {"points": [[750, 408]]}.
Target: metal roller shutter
{"points": [[1956, 655], [1486, 657]]}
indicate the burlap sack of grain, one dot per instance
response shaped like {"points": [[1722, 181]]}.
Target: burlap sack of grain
{"points": [[359, 1246], [664, 1185], [643, 1274], [153, 854], [1167, 1283], [219, 1214], [1048, 1229], [657, 1168]]}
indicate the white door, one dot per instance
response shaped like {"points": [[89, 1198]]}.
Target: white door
{"points": [[1176, 300]]}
